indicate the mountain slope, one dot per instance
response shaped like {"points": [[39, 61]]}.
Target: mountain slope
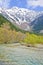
{"points": [[19, 16], [4, 20], [37, 24], [24, 19], [12, 26]]}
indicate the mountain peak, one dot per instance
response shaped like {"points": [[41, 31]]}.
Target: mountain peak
{"points": [[21, 17]]}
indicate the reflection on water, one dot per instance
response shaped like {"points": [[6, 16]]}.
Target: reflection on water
{"points": [[20, 55]]}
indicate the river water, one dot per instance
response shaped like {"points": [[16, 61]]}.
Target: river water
{"points": [[20, 55]]}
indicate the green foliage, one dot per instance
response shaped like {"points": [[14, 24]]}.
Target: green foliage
{"points": [[33, 39], [10, 33], [7, 35]]}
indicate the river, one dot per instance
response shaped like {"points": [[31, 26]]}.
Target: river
{"points": [[11, 54]]}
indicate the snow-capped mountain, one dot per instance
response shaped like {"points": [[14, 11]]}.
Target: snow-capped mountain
{"points": [[20, 15], [23, 18]]}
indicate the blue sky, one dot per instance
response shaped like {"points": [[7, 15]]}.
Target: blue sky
{"points": [[28, 4]]}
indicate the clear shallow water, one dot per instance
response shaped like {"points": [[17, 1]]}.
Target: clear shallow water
{"points": [[20, 55]]}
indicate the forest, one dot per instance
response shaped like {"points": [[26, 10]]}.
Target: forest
{"points": [[8, 35]]}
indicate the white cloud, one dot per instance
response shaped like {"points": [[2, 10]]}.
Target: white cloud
{"points": [[4, 3], [34, 3]]}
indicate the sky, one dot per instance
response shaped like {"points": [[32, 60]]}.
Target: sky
{"points": [[36, 5]]}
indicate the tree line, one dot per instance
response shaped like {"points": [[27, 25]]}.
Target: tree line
{"points": [[7, 35]]}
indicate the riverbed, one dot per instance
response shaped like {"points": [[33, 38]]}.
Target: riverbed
{"points": [[16, 54]]}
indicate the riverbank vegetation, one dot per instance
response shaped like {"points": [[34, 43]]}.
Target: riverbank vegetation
{"points": [[10, 33], [7, 35]]}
